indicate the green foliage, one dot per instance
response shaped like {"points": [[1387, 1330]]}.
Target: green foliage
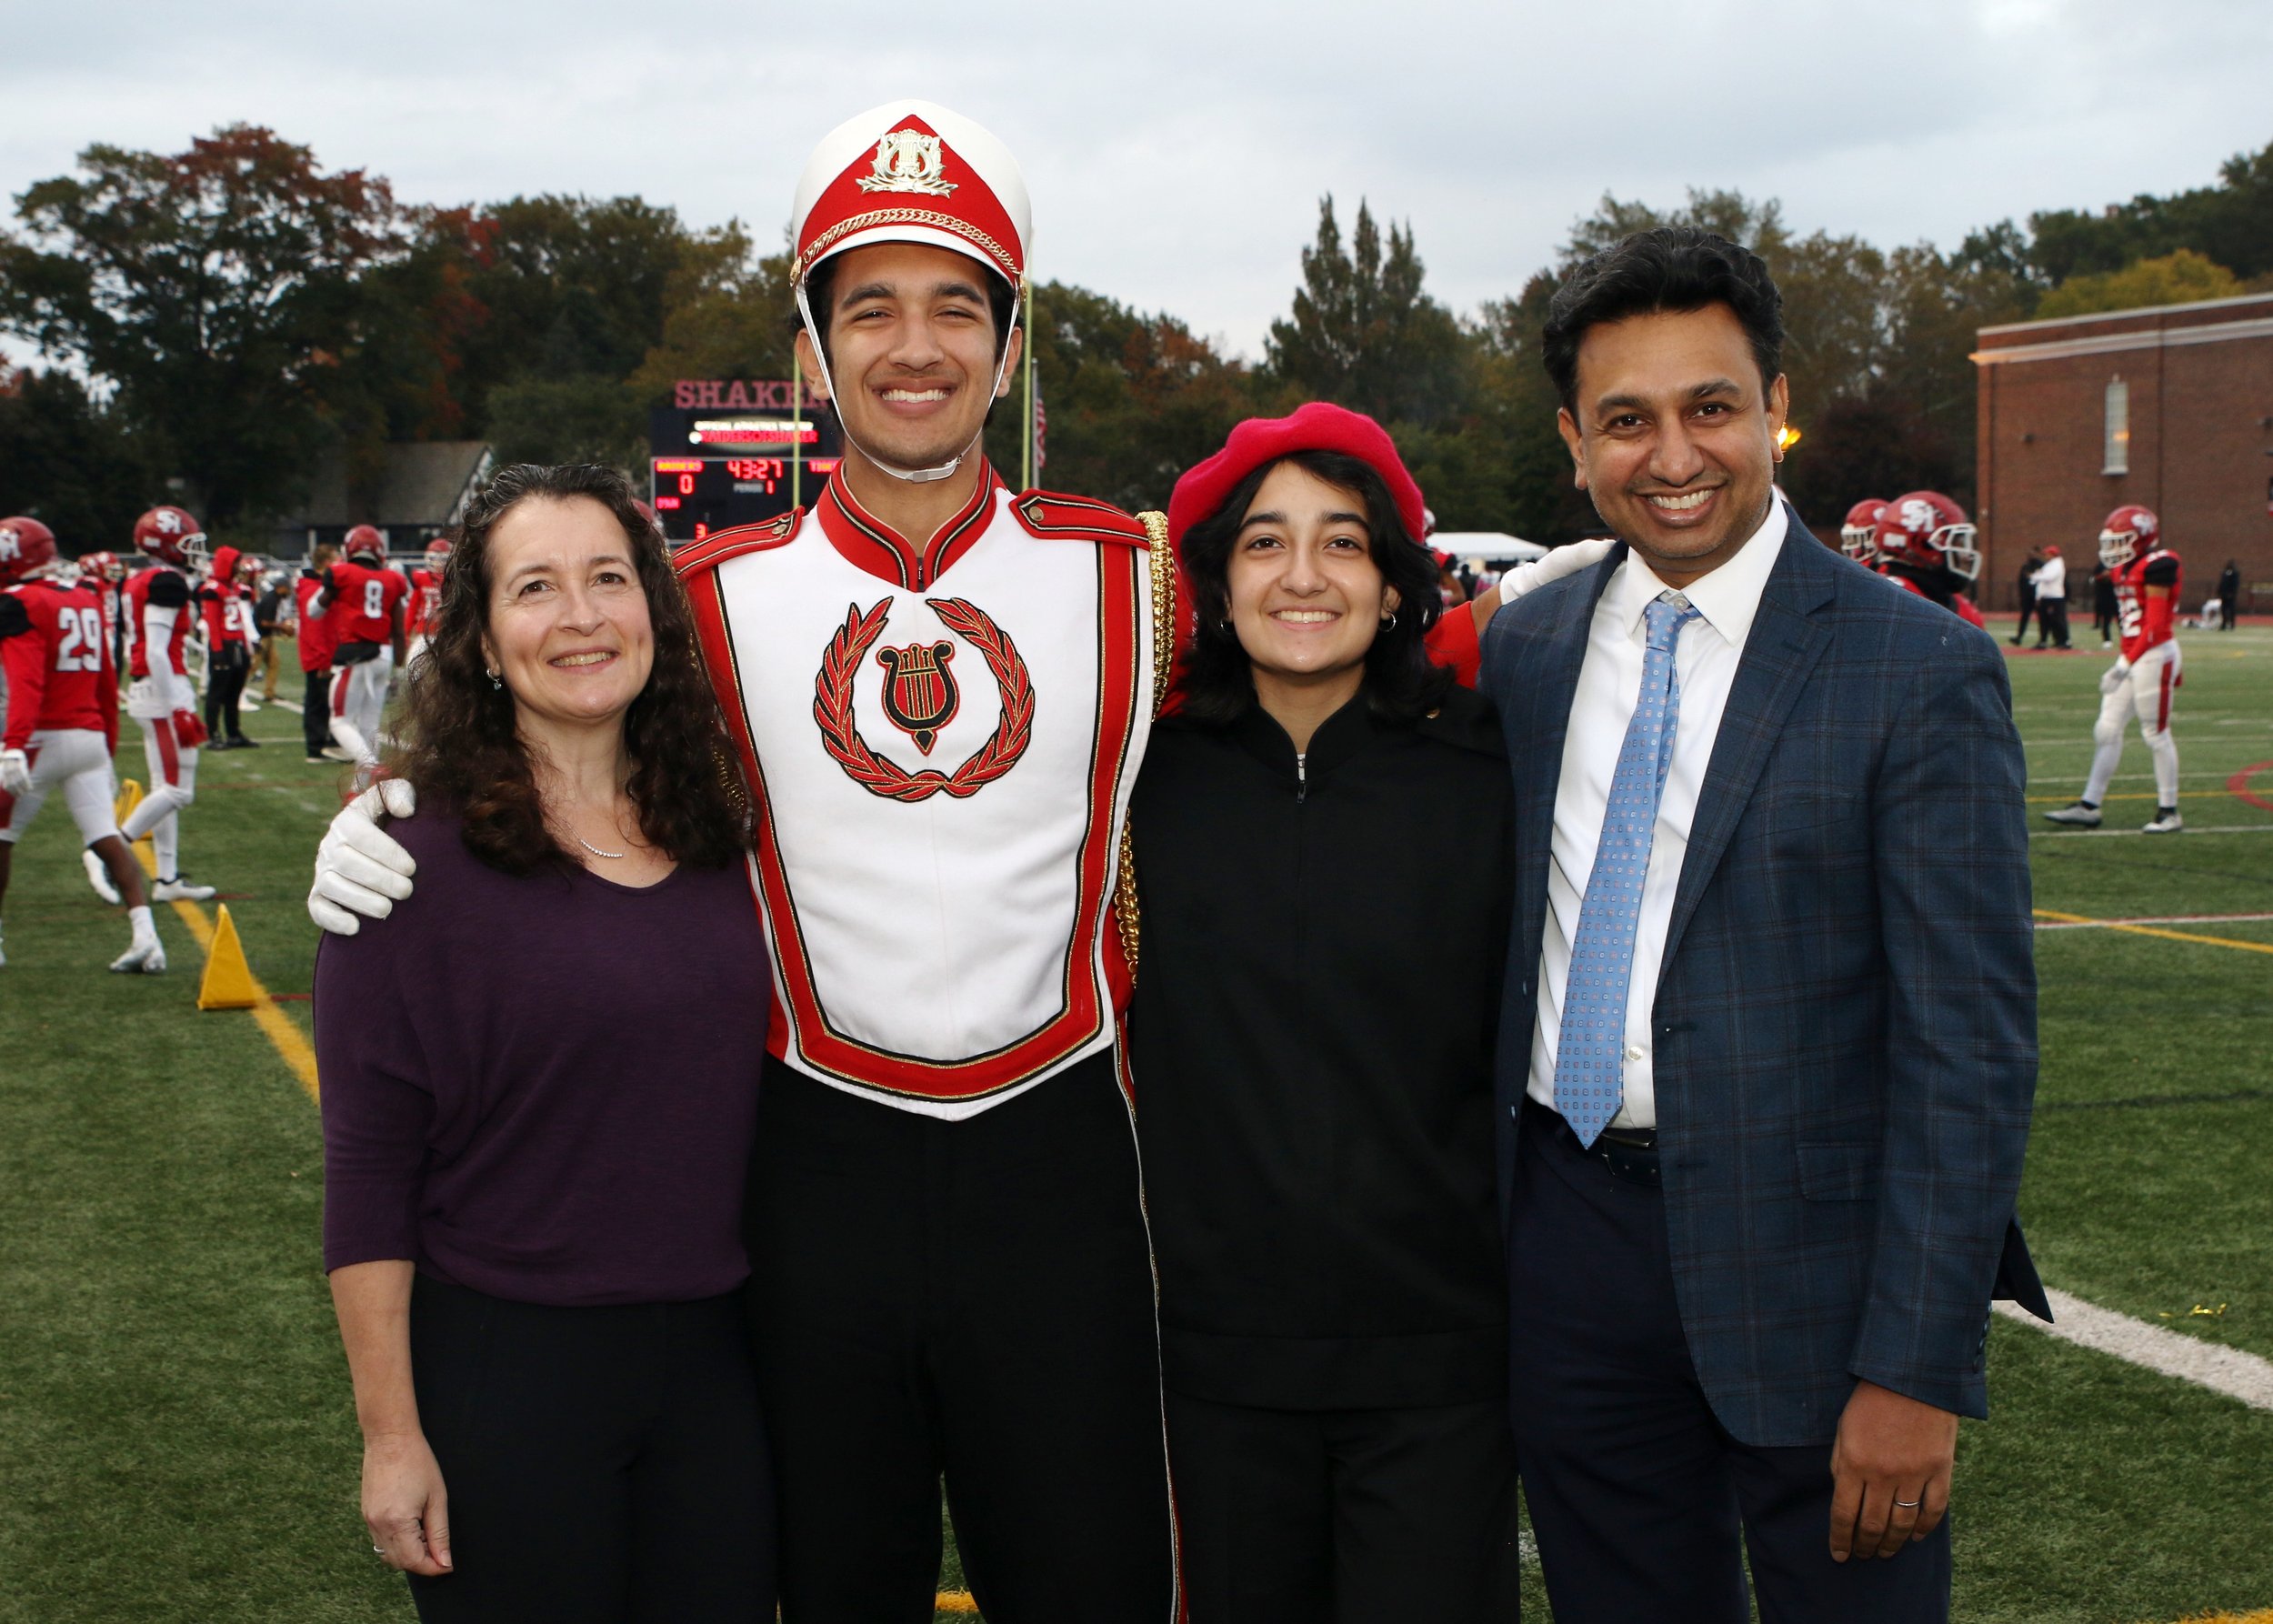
{"points": [[2177, 278], [2231, 223], [212, 288], [71, 462], [581, 419], [1364, 333]]}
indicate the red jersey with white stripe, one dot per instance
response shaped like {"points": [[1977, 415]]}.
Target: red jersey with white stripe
{"points": [[363, 601], [425, 601], [2148, 622], [172, 588], [316, 640], [58, 663], [224, 615]]}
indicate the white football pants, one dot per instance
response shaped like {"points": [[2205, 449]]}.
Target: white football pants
{"points": [[77, 761], [358, 702], [2146, 693], [173, 788]]}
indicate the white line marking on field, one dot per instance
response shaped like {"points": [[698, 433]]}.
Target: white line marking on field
{"points": [[291, 705], [2228, 1370], [2192, 829], [2157, 920]]}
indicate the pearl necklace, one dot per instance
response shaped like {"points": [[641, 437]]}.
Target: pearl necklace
{"points": [[595, 851]]}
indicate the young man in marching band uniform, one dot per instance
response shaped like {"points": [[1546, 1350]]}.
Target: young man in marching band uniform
{"points": [[161, 697], [62, 722], [2145, 679]]}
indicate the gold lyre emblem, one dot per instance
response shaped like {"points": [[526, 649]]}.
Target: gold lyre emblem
{"points": [[907, 161]]}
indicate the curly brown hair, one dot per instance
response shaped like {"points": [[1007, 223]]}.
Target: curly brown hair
{"points": [[461, 745]]}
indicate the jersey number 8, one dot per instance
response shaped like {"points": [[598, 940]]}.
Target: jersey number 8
{"points": [[374, 600]]}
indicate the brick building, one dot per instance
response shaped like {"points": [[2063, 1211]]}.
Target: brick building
{"points": [[2170, 406]]}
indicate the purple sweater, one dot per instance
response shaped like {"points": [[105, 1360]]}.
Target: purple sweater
{"points": [[544, 1087]]}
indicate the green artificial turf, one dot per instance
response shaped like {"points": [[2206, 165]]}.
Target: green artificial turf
{"points": [[177, 1442]]}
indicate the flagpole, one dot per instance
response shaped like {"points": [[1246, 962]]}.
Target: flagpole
{"points": [[1025, 475]]}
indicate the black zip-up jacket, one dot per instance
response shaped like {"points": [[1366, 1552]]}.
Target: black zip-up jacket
{"points": [[1311, 1044]]}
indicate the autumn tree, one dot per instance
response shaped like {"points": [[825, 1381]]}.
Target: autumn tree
{"points": [[210, 288], [1363, 332]]}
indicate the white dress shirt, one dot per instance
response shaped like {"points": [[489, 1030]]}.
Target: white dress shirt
{"points": [[2052, 578], [1706, 655]]}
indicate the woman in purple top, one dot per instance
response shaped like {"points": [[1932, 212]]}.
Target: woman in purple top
{"points": [[539, 1092]]}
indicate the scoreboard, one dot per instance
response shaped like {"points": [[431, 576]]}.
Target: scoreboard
{"points": [[712, 468]]}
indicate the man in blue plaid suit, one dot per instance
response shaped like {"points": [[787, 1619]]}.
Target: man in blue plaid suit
{"points": [[1768, 1046]]}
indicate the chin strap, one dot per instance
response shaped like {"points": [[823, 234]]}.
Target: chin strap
{"points": [[912, 475]]}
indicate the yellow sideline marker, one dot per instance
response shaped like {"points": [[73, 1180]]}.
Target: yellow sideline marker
{"points": [[290, 1042], [960, 1602], [2168, 936], [2263, 1615], [227, 983]]}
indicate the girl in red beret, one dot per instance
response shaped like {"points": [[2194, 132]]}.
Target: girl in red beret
{"points": [[1310, 1042]]}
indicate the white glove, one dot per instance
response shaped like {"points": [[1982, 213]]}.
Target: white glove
{"points": [[2112, 678], [1558, 563], [360, 869], [16, 772]]}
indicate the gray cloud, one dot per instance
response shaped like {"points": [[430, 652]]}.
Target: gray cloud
{"points": [[1177, 149]]}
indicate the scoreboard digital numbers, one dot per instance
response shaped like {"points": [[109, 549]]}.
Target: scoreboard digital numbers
{"points": [[716, 463]]}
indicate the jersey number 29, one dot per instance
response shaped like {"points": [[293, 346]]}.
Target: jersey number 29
{"points": [[81, 648]]}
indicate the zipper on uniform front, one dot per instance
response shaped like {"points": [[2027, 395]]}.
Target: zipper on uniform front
{"points": [[1302, 776]]}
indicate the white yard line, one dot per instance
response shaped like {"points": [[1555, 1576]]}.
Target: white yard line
{"points": [[2228, 1370], [2192, 829]]}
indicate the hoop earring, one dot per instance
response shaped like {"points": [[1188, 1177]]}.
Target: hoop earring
{"points": [[1388, 621]]}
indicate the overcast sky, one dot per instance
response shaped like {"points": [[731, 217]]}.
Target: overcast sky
{"points": [[1177, 149]]}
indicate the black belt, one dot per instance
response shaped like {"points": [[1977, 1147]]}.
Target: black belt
{"points": [[1629, 1153]]}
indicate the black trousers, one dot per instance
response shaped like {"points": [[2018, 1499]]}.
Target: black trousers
{"points": [[1639, 1496], [970, 1300], [604, 1466], [1346, 1517], [2028, 607], [224, 686], [316, 711], [2051, 622]]}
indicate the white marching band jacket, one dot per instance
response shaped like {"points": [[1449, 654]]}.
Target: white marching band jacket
{"points": [[941, 742]]}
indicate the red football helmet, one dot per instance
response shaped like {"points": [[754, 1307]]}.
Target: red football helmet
{"points": [[2130, 532], [27, 547], [104, 566], [1858, 536], [171, 536], [1926, 530], [438, 554], [365, 543]]}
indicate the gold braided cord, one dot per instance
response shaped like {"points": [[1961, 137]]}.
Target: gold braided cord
{"points": [[1162, 563], [901, 216], [1127, 915]]}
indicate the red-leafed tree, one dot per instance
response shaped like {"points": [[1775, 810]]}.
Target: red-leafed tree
{"points": [[214, 289]]}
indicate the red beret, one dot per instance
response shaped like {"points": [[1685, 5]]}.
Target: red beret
{"points": [[1318, 427]]}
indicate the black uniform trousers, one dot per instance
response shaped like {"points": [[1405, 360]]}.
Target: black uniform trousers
{"points": [[1347, 1516], [971, 1301], [316, 711], [603, 1465], [2052, 622], [1638, 1498], [226, 667]]}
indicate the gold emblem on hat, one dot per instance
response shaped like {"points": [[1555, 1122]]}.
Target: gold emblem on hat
{"points": [[907, 161]]}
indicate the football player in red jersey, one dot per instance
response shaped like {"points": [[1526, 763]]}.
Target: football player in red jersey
{"points": [[1858, 536], [363, 601], [62, 722], [1925, 541], [226, 603], [159, 611], [2145, 677], [425, 598], [105, 575]]}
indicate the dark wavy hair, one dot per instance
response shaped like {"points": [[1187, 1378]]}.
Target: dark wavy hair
{"points": [[463, 749], [1674, 268], [1402, 684]]}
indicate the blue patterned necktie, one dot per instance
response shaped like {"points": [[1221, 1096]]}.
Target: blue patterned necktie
{"points": [[1589, 1055]]}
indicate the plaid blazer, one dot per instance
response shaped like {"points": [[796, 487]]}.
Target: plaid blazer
{"points": [[1845, 1027]]}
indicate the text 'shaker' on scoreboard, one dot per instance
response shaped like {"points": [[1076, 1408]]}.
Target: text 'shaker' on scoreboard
{"points": [[737, 451]]}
